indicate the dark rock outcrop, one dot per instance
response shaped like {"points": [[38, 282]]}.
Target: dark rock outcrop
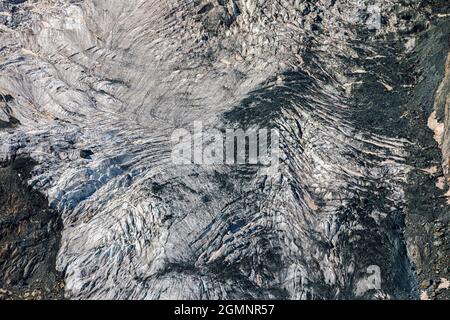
{"points": [[29, 238], [97, 87]]}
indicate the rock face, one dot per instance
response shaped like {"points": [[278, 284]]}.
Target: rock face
{"points": [[29, 238], [93, 90], [442, 107]]}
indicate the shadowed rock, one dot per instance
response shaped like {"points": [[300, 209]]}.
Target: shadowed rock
{"points": [[29, 237]]}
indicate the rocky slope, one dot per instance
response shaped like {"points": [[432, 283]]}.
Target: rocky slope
{"points": [[92, 91]]}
